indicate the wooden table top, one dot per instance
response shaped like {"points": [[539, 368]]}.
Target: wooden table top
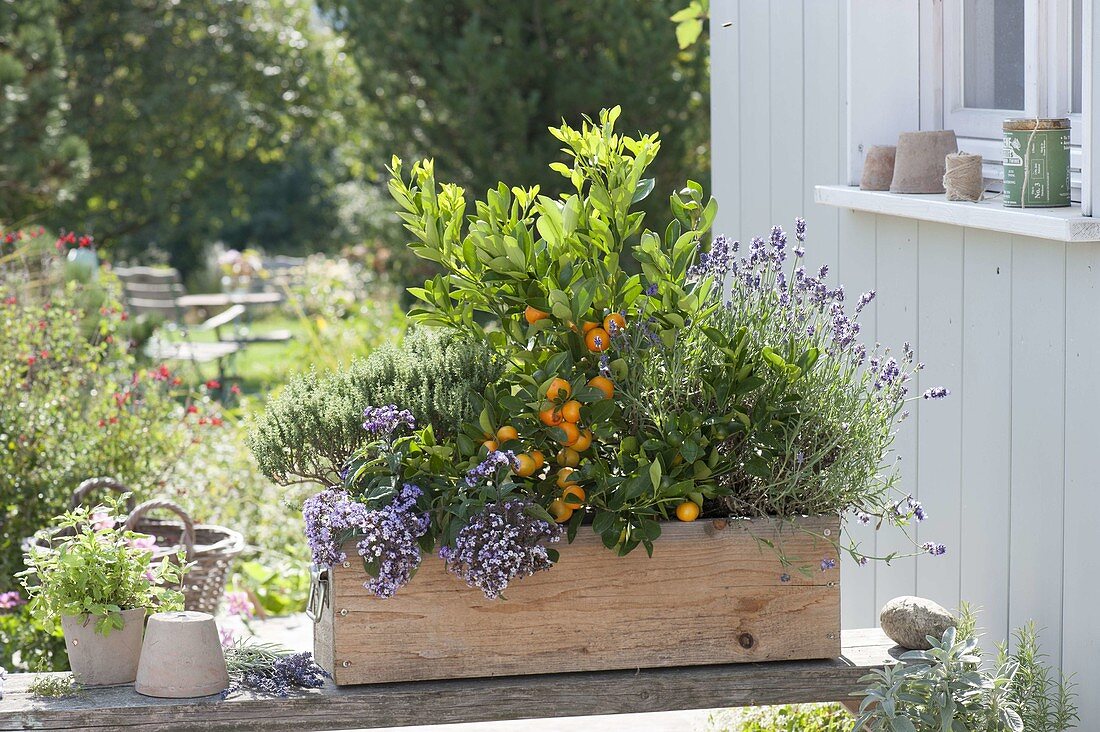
{"points": [[464, 700], [223, 299]]}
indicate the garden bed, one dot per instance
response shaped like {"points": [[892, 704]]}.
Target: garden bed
{"points": [[712, 593]]}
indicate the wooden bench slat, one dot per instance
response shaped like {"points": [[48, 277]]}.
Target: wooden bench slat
{"points": [[466, 700]]}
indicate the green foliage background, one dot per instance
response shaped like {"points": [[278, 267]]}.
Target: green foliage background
{"points": [[163, 126]]}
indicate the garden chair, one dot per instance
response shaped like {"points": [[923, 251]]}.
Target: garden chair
{"points": [[155, 292]]}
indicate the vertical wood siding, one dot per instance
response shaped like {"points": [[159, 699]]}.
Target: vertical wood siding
{"points": [[1007, 467]]}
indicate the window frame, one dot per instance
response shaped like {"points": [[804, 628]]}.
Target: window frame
{"points": [[1048, 68]]}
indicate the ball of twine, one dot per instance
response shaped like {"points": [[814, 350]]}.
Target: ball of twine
{"points": [[963, 180]]}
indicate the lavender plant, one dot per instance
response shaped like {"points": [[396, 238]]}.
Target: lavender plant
{"points": [[827, 450]]}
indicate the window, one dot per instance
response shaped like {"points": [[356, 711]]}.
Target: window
{"points": [[1008, 58]]}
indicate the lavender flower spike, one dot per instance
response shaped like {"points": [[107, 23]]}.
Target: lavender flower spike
{"points": [[936, 392], [934, 549]]}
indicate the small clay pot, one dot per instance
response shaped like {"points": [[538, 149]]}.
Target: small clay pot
{"points": [[104, 660], [920, 164], [878, 168], [182, 657]]}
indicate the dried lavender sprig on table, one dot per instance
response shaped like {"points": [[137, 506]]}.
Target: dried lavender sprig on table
{"points": [[268, 668]]}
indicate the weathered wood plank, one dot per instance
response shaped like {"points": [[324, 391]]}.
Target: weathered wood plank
{"points": [[711, 593], [466, 700]]}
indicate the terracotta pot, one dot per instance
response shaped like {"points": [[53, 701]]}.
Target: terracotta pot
{"points": [[181, 657], [103, 660]]}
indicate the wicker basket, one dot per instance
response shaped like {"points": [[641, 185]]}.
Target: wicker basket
{"points": [[211, 548]]}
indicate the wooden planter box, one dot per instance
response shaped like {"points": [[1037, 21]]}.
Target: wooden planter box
{"points": [[712, 593]]}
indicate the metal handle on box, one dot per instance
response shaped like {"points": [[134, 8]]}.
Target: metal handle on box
{"points": [[318, 592]]}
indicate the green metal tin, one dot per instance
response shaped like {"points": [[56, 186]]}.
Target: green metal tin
{"points": [[1036, 163]]}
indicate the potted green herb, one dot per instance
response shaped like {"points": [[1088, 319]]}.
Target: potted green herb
{"points": [[99, 581]]}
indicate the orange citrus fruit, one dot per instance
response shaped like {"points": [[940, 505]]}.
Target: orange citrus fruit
{"points": [[573, 496], [506, 433], [571, 411], [587, 325], [568, 457], [687, 511], [534, 315], [597, 340], [571, 433], [558, 389], [563, 477], [539, 459], [559, 510], [490, 445], [615, 319], [584, 441], [526, 467], [604, 384], [550, 416]]}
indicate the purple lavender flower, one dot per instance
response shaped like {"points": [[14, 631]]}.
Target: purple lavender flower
{"points": [[486, 470], [936, 392], [800, 229], [651, 291], [288, 672], [499, 545], [382, 422], [784, 577], [863, 518], [934, 549], [828, 563], [605, 365], [823, 272], [862, 561], [390, 544], [915, 508], [864, 300]]}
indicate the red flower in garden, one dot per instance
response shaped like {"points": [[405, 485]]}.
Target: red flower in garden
{"points": [[216, 421], [192, 409], [10, 300], [177, 381], [113, 420], [101, 423], [235, 390], [202, 420], [31, 360], [86, 241], [213, 384]]}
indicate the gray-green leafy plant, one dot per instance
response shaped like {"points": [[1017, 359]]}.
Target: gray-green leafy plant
{"points": [[313, 426], [948, 688], [92, 568]]}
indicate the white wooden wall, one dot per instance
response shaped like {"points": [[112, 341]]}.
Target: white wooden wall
{"points": [[1009, 466]]}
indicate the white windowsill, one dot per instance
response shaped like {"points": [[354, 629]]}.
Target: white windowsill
{"points": [[1062, 224]]}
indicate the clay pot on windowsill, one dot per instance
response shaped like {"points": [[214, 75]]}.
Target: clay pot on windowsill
{"points": [[104, 660]]}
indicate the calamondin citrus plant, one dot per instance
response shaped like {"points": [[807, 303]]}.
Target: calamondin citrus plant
{"points": [[645, 376]]}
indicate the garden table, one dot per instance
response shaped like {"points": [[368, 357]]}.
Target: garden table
{"points": [[462, 700]]}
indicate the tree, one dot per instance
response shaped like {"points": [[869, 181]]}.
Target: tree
{"points": [[476, 83], [41, 160], [208, 119]]}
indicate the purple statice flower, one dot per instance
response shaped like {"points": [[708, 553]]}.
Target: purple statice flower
{"points": [[382, 422], [936, 392], [605, 365], [237, 603], [936, 550], [501, 544], [11, 600], [329, 515], [486, 470], [390, 542], [296, 671], [828, 563], [651, 291]]}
